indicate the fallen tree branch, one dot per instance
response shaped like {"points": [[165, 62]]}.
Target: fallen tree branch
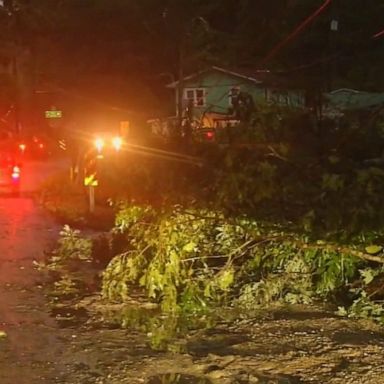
{"points": [[345, 250]]}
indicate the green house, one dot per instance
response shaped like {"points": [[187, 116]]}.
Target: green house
{"points": [[343, 100], [210, 94]]}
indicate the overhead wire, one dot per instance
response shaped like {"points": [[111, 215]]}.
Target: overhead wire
{"points": [[295, 32], [301, 27], [378, 34]]}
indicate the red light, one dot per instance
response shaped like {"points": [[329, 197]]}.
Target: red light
{"points": [[41, 145], [210, 135], [22, 147]]}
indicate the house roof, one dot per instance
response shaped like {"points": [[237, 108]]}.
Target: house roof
{"points": [[351, 99], [256, 76]]}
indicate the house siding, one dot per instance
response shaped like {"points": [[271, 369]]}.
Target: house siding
{"points": [[217, 88]]}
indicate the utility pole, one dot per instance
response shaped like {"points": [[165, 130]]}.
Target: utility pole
{"points": [[16, 106], [332, 39], [21, 52], [180, 87]]}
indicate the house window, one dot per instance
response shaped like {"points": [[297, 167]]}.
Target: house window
{"points": [[195, 96], [283, 98], [278, 97]]}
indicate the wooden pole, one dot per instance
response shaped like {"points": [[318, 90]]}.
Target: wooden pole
{"points": [[91, 190]]}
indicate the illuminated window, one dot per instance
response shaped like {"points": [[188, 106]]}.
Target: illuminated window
{"points": [[196, 96]]}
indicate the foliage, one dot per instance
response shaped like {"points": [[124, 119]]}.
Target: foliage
{"points": [[72, 246], [192, 260], [178, 258], [365, 308], [282, 166], [293, 285], [293, 168], [239, 35], [73, 250], [65, 286], [367, 296]]}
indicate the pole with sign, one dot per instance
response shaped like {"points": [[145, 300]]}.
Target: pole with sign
{"points": [[91, 181]]}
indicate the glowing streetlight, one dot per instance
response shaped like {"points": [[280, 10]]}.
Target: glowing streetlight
{"points": [[99, 144], [117, 143]]}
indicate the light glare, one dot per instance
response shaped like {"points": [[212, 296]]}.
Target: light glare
{"points": [[99, 144], [117, 143]]}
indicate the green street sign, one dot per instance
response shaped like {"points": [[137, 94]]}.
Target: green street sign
{"points": [[53, 114]]}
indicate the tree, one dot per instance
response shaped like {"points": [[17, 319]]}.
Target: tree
{"points": [[109, 54]]}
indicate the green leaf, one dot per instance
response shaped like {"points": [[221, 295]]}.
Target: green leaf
{"points": [[225, 279], [190, 247], [373, 249], [368, 275], [341, 311]]}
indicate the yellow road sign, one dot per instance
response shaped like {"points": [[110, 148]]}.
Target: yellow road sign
{"points": [[91, 181]]}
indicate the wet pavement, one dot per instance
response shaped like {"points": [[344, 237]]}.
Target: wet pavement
{"points": [[25, 233]]}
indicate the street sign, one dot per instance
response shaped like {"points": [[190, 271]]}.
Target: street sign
{"points": [[91, 181], [53, 114], [63, 145]]}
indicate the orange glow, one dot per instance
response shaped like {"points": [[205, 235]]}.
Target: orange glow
{"points": [[41, 145], [22, 147]]}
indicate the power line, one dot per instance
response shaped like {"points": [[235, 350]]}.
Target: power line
{"points": [[334, 57], [295, 32], [378, 34]]}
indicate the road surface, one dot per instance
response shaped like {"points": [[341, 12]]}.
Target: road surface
{"points": [[293, 347], [25, 232]]}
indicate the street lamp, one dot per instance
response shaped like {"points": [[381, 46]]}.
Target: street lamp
{"points": [[99, 144], [117, 143]]}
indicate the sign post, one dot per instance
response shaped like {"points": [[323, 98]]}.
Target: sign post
{"points": [[91, 182], [90, 178], [91, 190]]}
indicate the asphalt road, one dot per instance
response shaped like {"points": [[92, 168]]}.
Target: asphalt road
{"points": [[30, 348]]}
